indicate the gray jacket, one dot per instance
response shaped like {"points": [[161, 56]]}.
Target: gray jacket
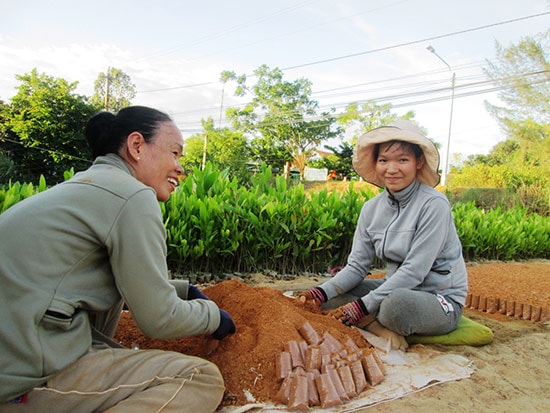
{"points": [[74, 251], [414, 233]]}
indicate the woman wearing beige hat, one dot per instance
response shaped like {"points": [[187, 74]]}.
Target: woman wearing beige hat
{"points": [[410, 226]]}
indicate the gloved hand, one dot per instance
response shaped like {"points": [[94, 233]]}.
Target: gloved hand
{"points": [[316, 296], [227, 326], [397, 341], [193, 293], [350, 314]]}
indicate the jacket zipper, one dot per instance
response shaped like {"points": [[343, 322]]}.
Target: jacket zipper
{"points": [[394, 202]]}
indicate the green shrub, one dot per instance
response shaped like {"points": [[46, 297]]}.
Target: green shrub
{"points": [[213, 223], [498, 234], [16, 192]]}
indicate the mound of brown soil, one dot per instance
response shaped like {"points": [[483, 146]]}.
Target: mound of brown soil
{"points": [[266, 320]]}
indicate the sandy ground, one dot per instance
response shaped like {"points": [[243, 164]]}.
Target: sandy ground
{"points": [[512, 374]]}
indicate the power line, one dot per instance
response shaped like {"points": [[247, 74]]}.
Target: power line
{"points": [[425, 40], [428, 39], [231, 29], [425, 95]]}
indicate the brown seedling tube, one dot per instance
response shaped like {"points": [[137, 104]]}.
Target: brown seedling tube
{"points": [[347, 380], [526, 312], [325, 348], [379, 361], [327, 392], [475, 302], [295, 354], [372, 370], [299, 371], [468, 301], [312, 394], [510, 308], [518, 310], [313, 358], [325, 359], [343, 353], [502, 306], [338, 385], [482, 304], [283, 395], [354, 356], [309, 334], [350, 345], [334, 345], [545, 314], [298, 399], [492, 305], [326, 367], [283, 365], [535, 313], [316, 373], [358, 376], [302, 345]]}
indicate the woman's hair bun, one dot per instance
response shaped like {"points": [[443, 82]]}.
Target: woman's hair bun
{"points": [[98, 132]]}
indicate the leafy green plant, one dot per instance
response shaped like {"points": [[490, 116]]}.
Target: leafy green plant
{"points": [[215, 224]]}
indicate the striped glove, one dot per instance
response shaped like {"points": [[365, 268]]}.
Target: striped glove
{"points": [[316, 294], [350, 314]]}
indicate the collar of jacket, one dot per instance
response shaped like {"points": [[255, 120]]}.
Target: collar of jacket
{"points": [[113, 160], [404, 196]]}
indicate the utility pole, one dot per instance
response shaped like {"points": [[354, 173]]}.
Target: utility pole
{"points": [[107, 86], [205, 146], [204, 150], [453, 77]]}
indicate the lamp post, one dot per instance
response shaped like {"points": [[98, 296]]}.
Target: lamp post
{"points": [[446, 171]]}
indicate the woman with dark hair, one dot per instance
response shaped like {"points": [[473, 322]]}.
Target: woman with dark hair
{"points": [[71, 256], [410, 227]]}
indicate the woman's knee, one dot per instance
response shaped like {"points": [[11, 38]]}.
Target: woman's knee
{"points": [[396, 310]]}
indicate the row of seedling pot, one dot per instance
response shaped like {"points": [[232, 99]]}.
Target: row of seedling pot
{"points": [[510, 308]]}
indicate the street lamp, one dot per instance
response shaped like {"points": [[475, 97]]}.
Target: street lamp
{"points": [[446, 170]]}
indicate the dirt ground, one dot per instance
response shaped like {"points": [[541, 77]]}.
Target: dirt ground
{"points": [[512, 373]]}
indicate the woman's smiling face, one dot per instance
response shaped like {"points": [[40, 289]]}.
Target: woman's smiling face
{"points": [[158, 165], [397, 165]]}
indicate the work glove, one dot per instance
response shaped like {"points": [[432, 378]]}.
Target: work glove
{"points": [[194, 293], [397, 341], [227, 326], [350, 314], [316, 295]]}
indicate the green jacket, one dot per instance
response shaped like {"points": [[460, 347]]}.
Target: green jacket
{"points": [[77, 249]]}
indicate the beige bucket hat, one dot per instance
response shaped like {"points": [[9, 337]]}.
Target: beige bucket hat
{"points": [[401, 130]]}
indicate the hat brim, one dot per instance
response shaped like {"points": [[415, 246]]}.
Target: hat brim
{"points": [[365, 164]]}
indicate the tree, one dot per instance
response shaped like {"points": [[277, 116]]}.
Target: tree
{"points": [[340, 161], [225, 149], [114, 90], [522, 72], [521, 162], [43, 128], [360, 118], [281, 118]]}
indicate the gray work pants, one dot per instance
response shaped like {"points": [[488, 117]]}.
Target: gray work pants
{"points": [[406, 311]]}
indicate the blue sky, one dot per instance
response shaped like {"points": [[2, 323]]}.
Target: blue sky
{"points": [[351, 50]]}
